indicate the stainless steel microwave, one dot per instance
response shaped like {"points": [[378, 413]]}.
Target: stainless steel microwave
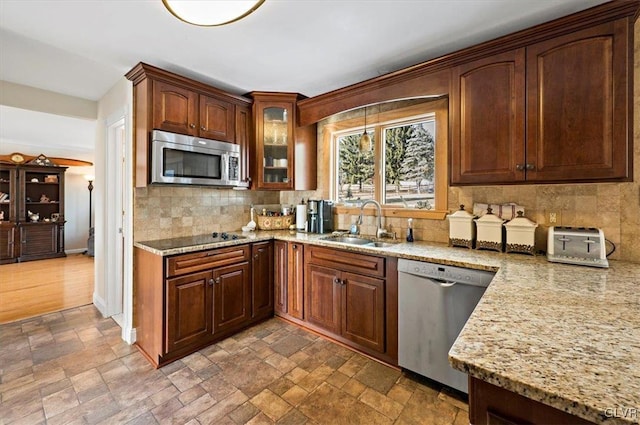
{"points": [[189, 160]]}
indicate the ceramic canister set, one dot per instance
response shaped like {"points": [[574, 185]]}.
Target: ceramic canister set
{"points": [[492, 232]]}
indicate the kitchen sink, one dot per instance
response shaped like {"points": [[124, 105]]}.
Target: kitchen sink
{"points": [[379, 244], [360, 241], [352, 240]]}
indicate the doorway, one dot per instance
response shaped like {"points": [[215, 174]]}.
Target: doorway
{"points": [[118, 225]]}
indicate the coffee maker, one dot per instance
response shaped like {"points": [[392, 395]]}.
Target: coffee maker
{"points": [[320, 216]]}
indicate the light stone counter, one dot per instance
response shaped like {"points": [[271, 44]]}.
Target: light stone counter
{"points": [[567, 336]]}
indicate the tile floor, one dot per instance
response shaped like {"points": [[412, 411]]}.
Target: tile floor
{"points": [[71, 367]]}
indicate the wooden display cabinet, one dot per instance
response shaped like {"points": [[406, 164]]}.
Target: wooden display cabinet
{"points": [[285, 154]]}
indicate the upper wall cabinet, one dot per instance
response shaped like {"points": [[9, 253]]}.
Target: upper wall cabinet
{"points": [[184, 111], [554, 111], [170, 102], [285, 154]]}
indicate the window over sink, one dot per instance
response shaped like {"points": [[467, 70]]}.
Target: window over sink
{"points": [[405, 169]]}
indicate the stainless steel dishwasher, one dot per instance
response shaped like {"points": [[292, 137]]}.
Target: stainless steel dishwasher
{"points": [[434, 303]]}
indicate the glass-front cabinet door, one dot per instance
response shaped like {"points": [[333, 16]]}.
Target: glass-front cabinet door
{"points": [[274, 131]]}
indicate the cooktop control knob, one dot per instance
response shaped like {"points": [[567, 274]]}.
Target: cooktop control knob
{"points": [[214, 234], [224, 235], [234, 236]]}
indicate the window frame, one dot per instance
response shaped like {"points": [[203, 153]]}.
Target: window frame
{"points": [[377, 121]]}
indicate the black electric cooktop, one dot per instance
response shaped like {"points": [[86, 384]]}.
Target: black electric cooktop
{"points": [[211, 238]]}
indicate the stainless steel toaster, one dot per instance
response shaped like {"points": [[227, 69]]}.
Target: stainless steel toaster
{"points": [[577, 245]]}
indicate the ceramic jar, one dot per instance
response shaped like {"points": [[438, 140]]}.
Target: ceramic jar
{"points": [[521, 235], [462, 231], [489, 232]]}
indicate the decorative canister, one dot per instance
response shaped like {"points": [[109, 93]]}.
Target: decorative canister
{"points": [[521, 234], [489, 231], [462, 231]]}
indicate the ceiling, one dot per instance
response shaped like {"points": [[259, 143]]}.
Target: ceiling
{"points": [[82, 48]]}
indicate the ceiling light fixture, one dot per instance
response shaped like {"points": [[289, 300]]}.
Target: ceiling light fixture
{"points": [[211, 13], [365, 139]]}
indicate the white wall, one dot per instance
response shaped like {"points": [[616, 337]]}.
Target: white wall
{"points": [[118, 100]]}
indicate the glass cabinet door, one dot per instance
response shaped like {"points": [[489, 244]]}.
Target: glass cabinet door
{"points": [[277, 139]]}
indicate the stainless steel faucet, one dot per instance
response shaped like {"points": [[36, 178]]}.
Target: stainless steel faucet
{"points": [[380, 231]]}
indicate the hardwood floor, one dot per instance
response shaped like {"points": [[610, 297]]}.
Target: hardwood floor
{"points": [[38, 287]]}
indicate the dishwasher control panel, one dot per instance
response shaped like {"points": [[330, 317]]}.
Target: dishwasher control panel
{"points": [[446, 273]]}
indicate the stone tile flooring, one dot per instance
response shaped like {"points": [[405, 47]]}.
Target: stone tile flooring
{"points": [[72, 367]]}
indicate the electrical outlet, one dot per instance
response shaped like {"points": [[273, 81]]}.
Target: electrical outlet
{"points": [[553, 218]]}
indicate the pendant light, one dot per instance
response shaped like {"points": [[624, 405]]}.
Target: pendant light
{"points": [[365, 140], [211, 13]]}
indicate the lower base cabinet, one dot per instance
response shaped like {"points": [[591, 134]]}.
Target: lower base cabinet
{"points": [[186, 302], [492, 405], [352, 298], [289, 280]]}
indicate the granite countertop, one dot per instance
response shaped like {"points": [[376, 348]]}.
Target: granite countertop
{"points": [[567, 336]]}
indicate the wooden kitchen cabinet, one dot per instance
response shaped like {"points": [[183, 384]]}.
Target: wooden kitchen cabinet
{"points": [[492, 405], [289, 279], [244, 138], [578, 120], [171, 102], [346, 295], [184, 111], [231, 298], [285, 154], [295, 280], [187, 301], [488, 119], [347, 304], [553, 111], [323, 298], [189, 318], [280, 278], [262, 274]]}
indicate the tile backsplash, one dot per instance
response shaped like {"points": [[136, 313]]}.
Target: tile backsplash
{"points": [[167, 212]]}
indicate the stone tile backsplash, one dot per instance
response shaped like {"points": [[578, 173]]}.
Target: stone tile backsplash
{"points": [[162, 212]]}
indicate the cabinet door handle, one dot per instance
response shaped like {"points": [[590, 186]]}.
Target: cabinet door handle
{"points": [[337, 281], [218, 279], [519, 167], [294, 246], [530, 167], [256, 256], [211, 282], [192, 125], [203, 128]]}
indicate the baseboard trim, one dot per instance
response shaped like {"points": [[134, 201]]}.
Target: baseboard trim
{"points": [[75, 251], [100, 304], [129, 335]]}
